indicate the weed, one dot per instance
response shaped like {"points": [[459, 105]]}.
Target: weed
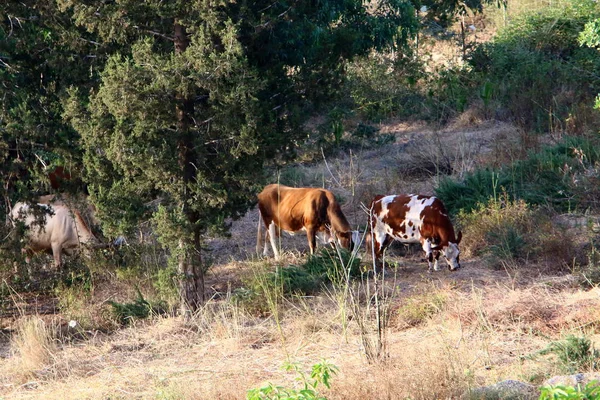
{"points": [[591, 391], [574, 354], [504, 231], [330, 266], [125, 313], [320, 375], [418, 309]]}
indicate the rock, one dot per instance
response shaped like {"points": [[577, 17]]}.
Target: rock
{"points": [[505, 390], [573, 380]]}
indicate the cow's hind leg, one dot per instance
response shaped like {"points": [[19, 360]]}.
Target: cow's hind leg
{"points": [[436, 256]]}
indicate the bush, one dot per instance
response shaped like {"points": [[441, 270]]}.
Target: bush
{"points": [[537, 70], [505, 230], [326, 265], [574, 354], [556, 176], [125, 313], [591, 391], [261, 293]]}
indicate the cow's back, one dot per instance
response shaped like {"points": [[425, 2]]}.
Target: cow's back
{"points": [[411, 217], [293, 208], [61, 227]]}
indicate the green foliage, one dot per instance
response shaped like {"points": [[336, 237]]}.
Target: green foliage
{"points": [[536, 71], [591, 391], [329, 265], [264, 288], [140, 308], [380, 88], [293, 280], [505, 230], [554, 176], [574, 354], [321, 374]]}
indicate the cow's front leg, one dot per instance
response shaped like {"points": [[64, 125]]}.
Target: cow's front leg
{"points": [[267, 241], [311, 236], [429, 255], [436, 256], [272, 238], [56, 249]]}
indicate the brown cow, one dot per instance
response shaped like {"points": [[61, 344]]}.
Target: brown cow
{"points": [[53, 228], [294, 209], [414, 219]]}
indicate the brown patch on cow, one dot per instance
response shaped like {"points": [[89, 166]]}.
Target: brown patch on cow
{"points": [[410, 223]]}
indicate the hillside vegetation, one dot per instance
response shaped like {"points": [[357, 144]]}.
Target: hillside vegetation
{"points": [[163, 122]]}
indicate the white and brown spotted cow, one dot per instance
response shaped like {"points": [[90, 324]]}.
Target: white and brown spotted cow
{"points": [[414, 219], [312, 210]]}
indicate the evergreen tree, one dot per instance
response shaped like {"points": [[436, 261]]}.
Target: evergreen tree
{"points": [[41, 55], [200, 95]]}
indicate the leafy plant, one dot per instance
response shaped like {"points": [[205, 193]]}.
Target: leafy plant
{"points": [[552, 176], [513, 71], [591, 391], [321, 374], [140, 308], [330, 266]]}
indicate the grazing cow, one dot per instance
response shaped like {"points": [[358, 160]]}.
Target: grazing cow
{"points": [[294, 209], [414, 219], [53, 228]]}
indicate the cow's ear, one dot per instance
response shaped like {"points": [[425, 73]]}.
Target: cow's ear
{"points": [[459, 238]]}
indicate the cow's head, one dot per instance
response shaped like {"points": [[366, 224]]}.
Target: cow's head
{"points": [[452, 253], [348, 240]]}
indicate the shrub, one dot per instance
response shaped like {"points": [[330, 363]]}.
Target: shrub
{"points": [[125, 313], [329, 266], [505, 230], [537, 70], [574, 354], [554, 176]]}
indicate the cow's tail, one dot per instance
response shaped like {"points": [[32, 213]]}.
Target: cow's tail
{"points": [[259, 234]]}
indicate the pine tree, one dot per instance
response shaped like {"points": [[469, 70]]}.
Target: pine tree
{"points": [[200, 95]]}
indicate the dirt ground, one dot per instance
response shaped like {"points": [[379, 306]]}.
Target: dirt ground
{"points": [[447, 331]]}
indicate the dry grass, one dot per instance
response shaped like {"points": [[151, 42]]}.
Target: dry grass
{"points": [[34, 349], [447, 331], [476, 335]]}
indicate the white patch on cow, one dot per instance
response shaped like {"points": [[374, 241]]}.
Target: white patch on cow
{"points": [[384, 205], [413, 220], [451, 253]]}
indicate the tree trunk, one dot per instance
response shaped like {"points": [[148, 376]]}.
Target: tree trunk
{"points": [[191, 284]]}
